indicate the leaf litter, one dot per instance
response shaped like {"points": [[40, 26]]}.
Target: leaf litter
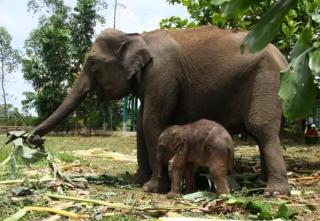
{"points": [[88, 201]]}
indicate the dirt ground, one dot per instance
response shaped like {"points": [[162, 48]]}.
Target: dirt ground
{"points": [[108, 162]]}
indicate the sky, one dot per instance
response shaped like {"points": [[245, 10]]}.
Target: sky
{"points": [[132, 16]]}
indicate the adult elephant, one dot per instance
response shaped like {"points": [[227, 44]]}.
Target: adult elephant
{"points": [[181, 76]]}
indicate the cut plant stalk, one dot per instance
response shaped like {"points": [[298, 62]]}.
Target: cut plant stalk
{"points": [[8, 182], [100, 202], [7, 160], [22, 212]]}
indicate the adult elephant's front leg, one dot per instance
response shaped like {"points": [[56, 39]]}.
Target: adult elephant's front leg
{"points": [[144, 171], [157, 115], [152, 129]]}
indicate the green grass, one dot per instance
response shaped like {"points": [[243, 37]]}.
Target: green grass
{"points": [[66, 156], [64, 149]]}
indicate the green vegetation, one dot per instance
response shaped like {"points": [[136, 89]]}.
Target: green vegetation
{"points": [[15, 117], [55, 51]]}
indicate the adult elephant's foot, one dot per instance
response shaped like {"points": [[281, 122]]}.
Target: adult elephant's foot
{"points": [[140, 178], [263, 177], [157, 185], [173, 194], [274, 189]]}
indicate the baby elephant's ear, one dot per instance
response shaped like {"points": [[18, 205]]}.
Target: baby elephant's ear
{"points": [[133, 54]]}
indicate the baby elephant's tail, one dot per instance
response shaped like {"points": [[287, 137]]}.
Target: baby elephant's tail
{"points": [[231, 158]]}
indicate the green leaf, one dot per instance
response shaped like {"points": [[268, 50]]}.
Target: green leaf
{"points": [[236, 200], [314, 61], [316, 16], [200, 196], [297, 88], [16, 133], [284, 212], [13, 135], [18, 142], [28, 153], [267, 28], [264, 210], [234, 7], [304, 42], [218, 2]]}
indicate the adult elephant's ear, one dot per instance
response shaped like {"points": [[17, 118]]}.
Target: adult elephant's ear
{"points": [[133, 54]]}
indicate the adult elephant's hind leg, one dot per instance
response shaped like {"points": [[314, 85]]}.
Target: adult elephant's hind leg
{"points": [[264, 126], [277, 182], [263, 166], [263, 119]]}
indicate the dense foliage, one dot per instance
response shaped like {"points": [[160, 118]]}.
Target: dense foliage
{"points": [[292, 25]]}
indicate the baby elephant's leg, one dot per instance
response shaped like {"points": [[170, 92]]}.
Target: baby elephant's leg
{"points": [[219, 172], [177, 172], [189, 178]]}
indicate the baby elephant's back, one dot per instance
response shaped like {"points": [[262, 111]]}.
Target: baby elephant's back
{"points": [[212, 136]]}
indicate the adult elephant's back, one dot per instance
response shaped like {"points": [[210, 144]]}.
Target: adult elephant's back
{"points": [[223, 83]]}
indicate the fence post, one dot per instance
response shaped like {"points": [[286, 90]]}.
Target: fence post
{"points": [[125, 114]]}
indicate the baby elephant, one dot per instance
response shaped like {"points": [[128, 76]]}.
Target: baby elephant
{"points": [[202, 143]]}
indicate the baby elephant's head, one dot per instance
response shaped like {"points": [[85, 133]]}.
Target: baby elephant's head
{"points": [[156, 185], [169, 141]]}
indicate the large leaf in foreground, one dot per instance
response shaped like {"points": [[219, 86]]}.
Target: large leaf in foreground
{"points": [[298, 90], [267, 28], [303, 43]]}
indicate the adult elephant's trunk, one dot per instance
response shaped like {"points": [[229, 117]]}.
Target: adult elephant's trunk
{"points": [[79, 91]]}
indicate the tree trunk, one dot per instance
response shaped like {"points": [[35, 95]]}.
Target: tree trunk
{"points": [[4, 92]]}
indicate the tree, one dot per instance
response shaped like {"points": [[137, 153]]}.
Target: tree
{"points": [[83, 20], [14, 117], [47, 61], [292, 25], [55, 53], [9, 61]]}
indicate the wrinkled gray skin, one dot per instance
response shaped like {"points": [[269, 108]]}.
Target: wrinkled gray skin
{"points": [[181, 76], [203, 143]]}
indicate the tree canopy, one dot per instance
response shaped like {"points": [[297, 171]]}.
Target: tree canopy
{"points": [[55, 53]]}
